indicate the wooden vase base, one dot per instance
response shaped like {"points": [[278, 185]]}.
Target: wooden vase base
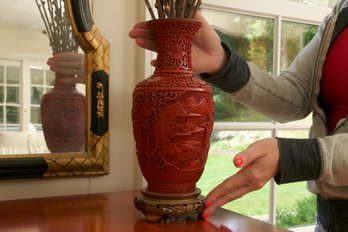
{"points": [[158, 206]]}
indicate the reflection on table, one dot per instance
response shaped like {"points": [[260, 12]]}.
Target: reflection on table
{"points": [[112, 212]]}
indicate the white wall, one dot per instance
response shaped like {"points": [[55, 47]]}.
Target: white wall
{"points": [[114, 19]]}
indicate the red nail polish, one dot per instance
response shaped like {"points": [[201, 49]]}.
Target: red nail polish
{"points": [[208, 203], [239, 162], [205, 215]]}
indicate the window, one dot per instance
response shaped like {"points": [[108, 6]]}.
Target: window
{"points": [[10, 95], [18, 94], [42, 81]]}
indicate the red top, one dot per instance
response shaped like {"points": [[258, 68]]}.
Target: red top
{"points": [[334, 84]]}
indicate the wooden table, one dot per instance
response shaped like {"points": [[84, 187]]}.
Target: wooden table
{"points": [[112, 212]]}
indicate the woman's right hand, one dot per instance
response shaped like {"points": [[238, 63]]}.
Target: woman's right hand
{"points": [[208, 56], [71, 65]]}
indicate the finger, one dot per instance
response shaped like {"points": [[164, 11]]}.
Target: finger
{"points": [[72, 72], [224, 199], [143, 38], [229, 185], [153, 63], [141, 33], [198, 16], [246, 157], [50, 61], [228, 197], [141, 25], [226, 191], [147, 44]]}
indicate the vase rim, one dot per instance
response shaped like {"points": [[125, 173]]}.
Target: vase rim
{"points": [[186, 20]]}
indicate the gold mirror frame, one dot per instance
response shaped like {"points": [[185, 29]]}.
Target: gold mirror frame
{"points": [[95, 161]]}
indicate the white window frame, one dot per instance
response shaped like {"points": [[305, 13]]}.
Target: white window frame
{"points": [[18, 63], [280, 10], [46, 88], [25, 87]]}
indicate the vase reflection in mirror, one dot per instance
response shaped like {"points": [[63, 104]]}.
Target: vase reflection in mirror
{"points": [[172, 122], [63, 109]]}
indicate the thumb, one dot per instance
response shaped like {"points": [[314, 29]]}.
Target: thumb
{"points": [[153, 63], [246, 157]]}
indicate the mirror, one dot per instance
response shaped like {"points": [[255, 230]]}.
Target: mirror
{"points": [[53, 111]]}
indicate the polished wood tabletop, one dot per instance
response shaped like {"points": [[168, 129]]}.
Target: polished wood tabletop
{"points": [[111, 212]]}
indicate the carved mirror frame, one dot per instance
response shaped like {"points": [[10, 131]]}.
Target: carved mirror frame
{"points": [[95, 160]]}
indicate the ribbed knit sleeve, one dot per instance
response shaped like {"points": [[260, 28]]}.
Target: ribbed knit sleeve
{"points": [[234, 76], [300, 160]]}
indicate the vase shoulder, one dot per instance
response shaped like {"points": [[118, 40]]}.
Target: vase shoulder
{"points": [[173, 80], [64, 93]]}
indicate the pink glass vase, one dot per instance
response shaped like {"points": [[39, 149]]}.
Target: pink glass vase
{"points": [[63, 117]]}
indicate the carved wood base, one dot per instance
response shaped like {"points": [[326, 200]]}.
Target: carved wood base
{"points": [[158, 206]]}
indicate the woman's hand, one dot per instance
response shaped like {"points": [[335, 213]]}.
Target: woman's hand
{"points": [[208, 56], [71, 65], [258, 163]]}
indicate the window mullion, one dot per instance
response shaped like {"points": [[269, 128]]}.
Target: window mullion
{"points": [[276, 71], [26, 95], [272, 202]]}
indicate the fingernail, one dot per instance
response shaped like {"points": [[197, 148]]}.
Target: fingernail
{"points": [[205, 215], [239, 161], [208, 203]]}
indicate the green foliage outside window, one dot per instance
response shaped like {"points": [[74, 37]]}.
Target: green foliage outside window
{"points": [[302, 214], [256, 46]]}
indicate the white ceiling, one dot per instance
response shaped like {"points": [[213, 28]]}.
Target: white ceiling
{"points": [[20, 14]]}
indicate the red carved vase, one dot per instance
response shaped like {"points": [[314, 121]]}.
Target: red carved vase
{"points": [[63, 118], [172, 113]]}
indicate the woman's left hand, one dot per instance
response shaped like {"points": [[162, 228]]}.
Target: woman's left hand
{"points": [[259, 163]]}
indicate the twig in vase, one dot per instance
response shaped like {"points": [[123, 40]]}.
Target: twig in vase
{"points": [[167, 9], [150, 9], [189, 8], [182, 8], [159, 7], [196, 7], [174, 8], [58, 29]]}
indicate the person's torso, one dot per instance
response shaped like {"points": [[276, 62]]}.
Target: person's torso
{"points": [[334, 83]]}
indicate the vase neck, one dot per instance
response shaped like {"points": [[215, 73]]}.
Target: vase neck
{"points": [[174, 41]]}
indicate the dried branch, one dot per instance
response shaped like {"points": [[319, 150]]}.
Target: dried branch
{"points": [[175, 8], [159, 7], [57, 24], [196, 7], [150, 9]]}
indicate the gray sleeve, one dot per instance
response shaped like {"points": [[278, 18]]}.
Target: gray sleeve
{"points": [[300, 160], [235, 74]]}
